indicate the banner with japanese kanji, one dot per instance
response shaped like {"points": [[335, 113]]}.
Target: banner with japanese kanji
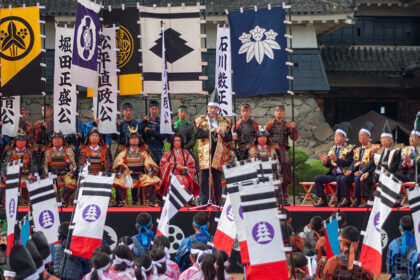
{"points": [[165, 101], [183, 48], [65, 98], [20, 56], [106, 102], [128, 43], [10, 114], [223, 77]]}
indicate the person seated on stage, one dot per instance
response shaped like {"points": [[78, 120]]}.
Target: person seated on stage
{"points": [[361, 158], [385, 157], [143, 240], [397, 262], [94, 123], [180, 163], [74, 267], [298, 267], [25, 125], [290, 238], [144, 267], [184, 128], [407, 167], [280, 132], [125, 124], [341, 266], [163, 242], [150, 131], [59, 160], [200, 226], [197, 250], [214, 150], [338, 160], [245, 131], [123, 262], [21, 150], [95, 152], [135, 161]]}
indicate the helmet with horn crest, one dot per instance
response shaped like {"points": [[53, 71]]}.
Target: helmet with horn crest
{"points": [[134, 132], [262, 131]]}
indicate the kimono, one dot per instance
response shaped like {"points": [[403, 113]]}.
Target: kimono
{"points": [[128, 274], [175, 159], [172, 270], [190, 272], [108, 274]]}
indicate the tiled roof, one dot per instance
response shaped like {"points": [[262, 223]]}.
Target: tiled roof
{"points": [[388, 61], [213, 7]]}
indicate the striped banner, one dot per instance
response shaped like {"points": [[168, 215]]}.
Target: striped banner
{"points": [[12, 196]]}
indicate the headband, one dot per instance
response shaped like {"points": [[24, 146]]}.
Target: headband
{"points": [[156, 264], [365, 130], [118, 260]]}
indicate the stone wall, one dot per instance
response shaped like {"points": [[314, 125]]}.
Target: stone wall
{"points": [[315, 135]]}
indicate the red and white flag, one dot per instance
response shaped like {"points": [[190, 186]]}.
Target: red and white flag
{"points": [[44, 207], [226, 229], [385, 197], [12, 196], [414, 202], [262, 227], [90, 215], [176, 198], [240, 173]]}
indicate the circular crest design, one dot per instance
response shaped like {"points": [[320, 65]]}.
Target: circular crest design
{"points": [[125, 43], [86, 38], [16, 38]]}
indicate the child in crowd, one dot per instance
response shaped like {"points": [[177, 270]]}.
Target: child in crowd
{"points": [[101, 264], [200, 224], [159, 264], [299, 262], [222, 264], [143, 240], [196, 251], [123, 263], [162, 242], [144, 267]]}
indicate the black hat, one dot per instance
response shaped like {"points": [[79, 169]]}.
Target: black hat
{"points": [[127, 106], [386, 131], [41, 244], [417, 129], [21, 135], [262, 132], [57, 133], [153, 103], [214, 99], [367, 127], [344, 128], [36, 256], [21, 263]]}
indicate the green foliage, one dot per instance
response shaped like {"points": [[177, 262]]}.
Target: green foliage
{"points": [[308, 170], [300, 156]]}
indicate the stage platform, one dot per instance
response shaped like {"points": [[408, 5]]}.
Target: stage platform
{"points": [[120, 221]]}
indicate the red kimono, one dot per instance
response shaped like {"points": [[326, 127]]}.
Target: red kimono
{"points": [[178, 158]]}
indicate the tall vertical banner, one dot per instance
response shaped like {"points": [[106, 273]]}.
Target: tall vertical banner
{"points": [[259, 51], [183, 48], [223, 77], [262, 227], [225, 234], [65, 98], [20, 55], [128, 43], [44, 207], [107, 83], [165, 101], [12, 197], [414, 201], [85, 47], [10, 115]]}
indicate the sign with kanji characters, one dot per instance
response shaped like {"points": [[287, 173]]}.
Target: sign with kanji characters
{"points": [[105, 100], [223, 77], [65, 98], [10, 114], [165, 102], [20, 55]]}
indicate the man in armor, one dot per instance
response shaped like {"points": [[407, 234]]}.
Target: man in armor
{"points": [[361, 158], [59, 160], [43, 130], [338, 160], [186, 129], [280, 132], [244, 132], [387, 157], [25, 125], [96, 153], [212, 151], [407, 166], [124, 124], [262, 148], [135, 161], [21, 150]]}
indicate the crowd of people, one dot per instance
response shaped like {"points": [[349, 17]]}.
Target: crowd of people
{"points": [[146, 256], [141, 165]]}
